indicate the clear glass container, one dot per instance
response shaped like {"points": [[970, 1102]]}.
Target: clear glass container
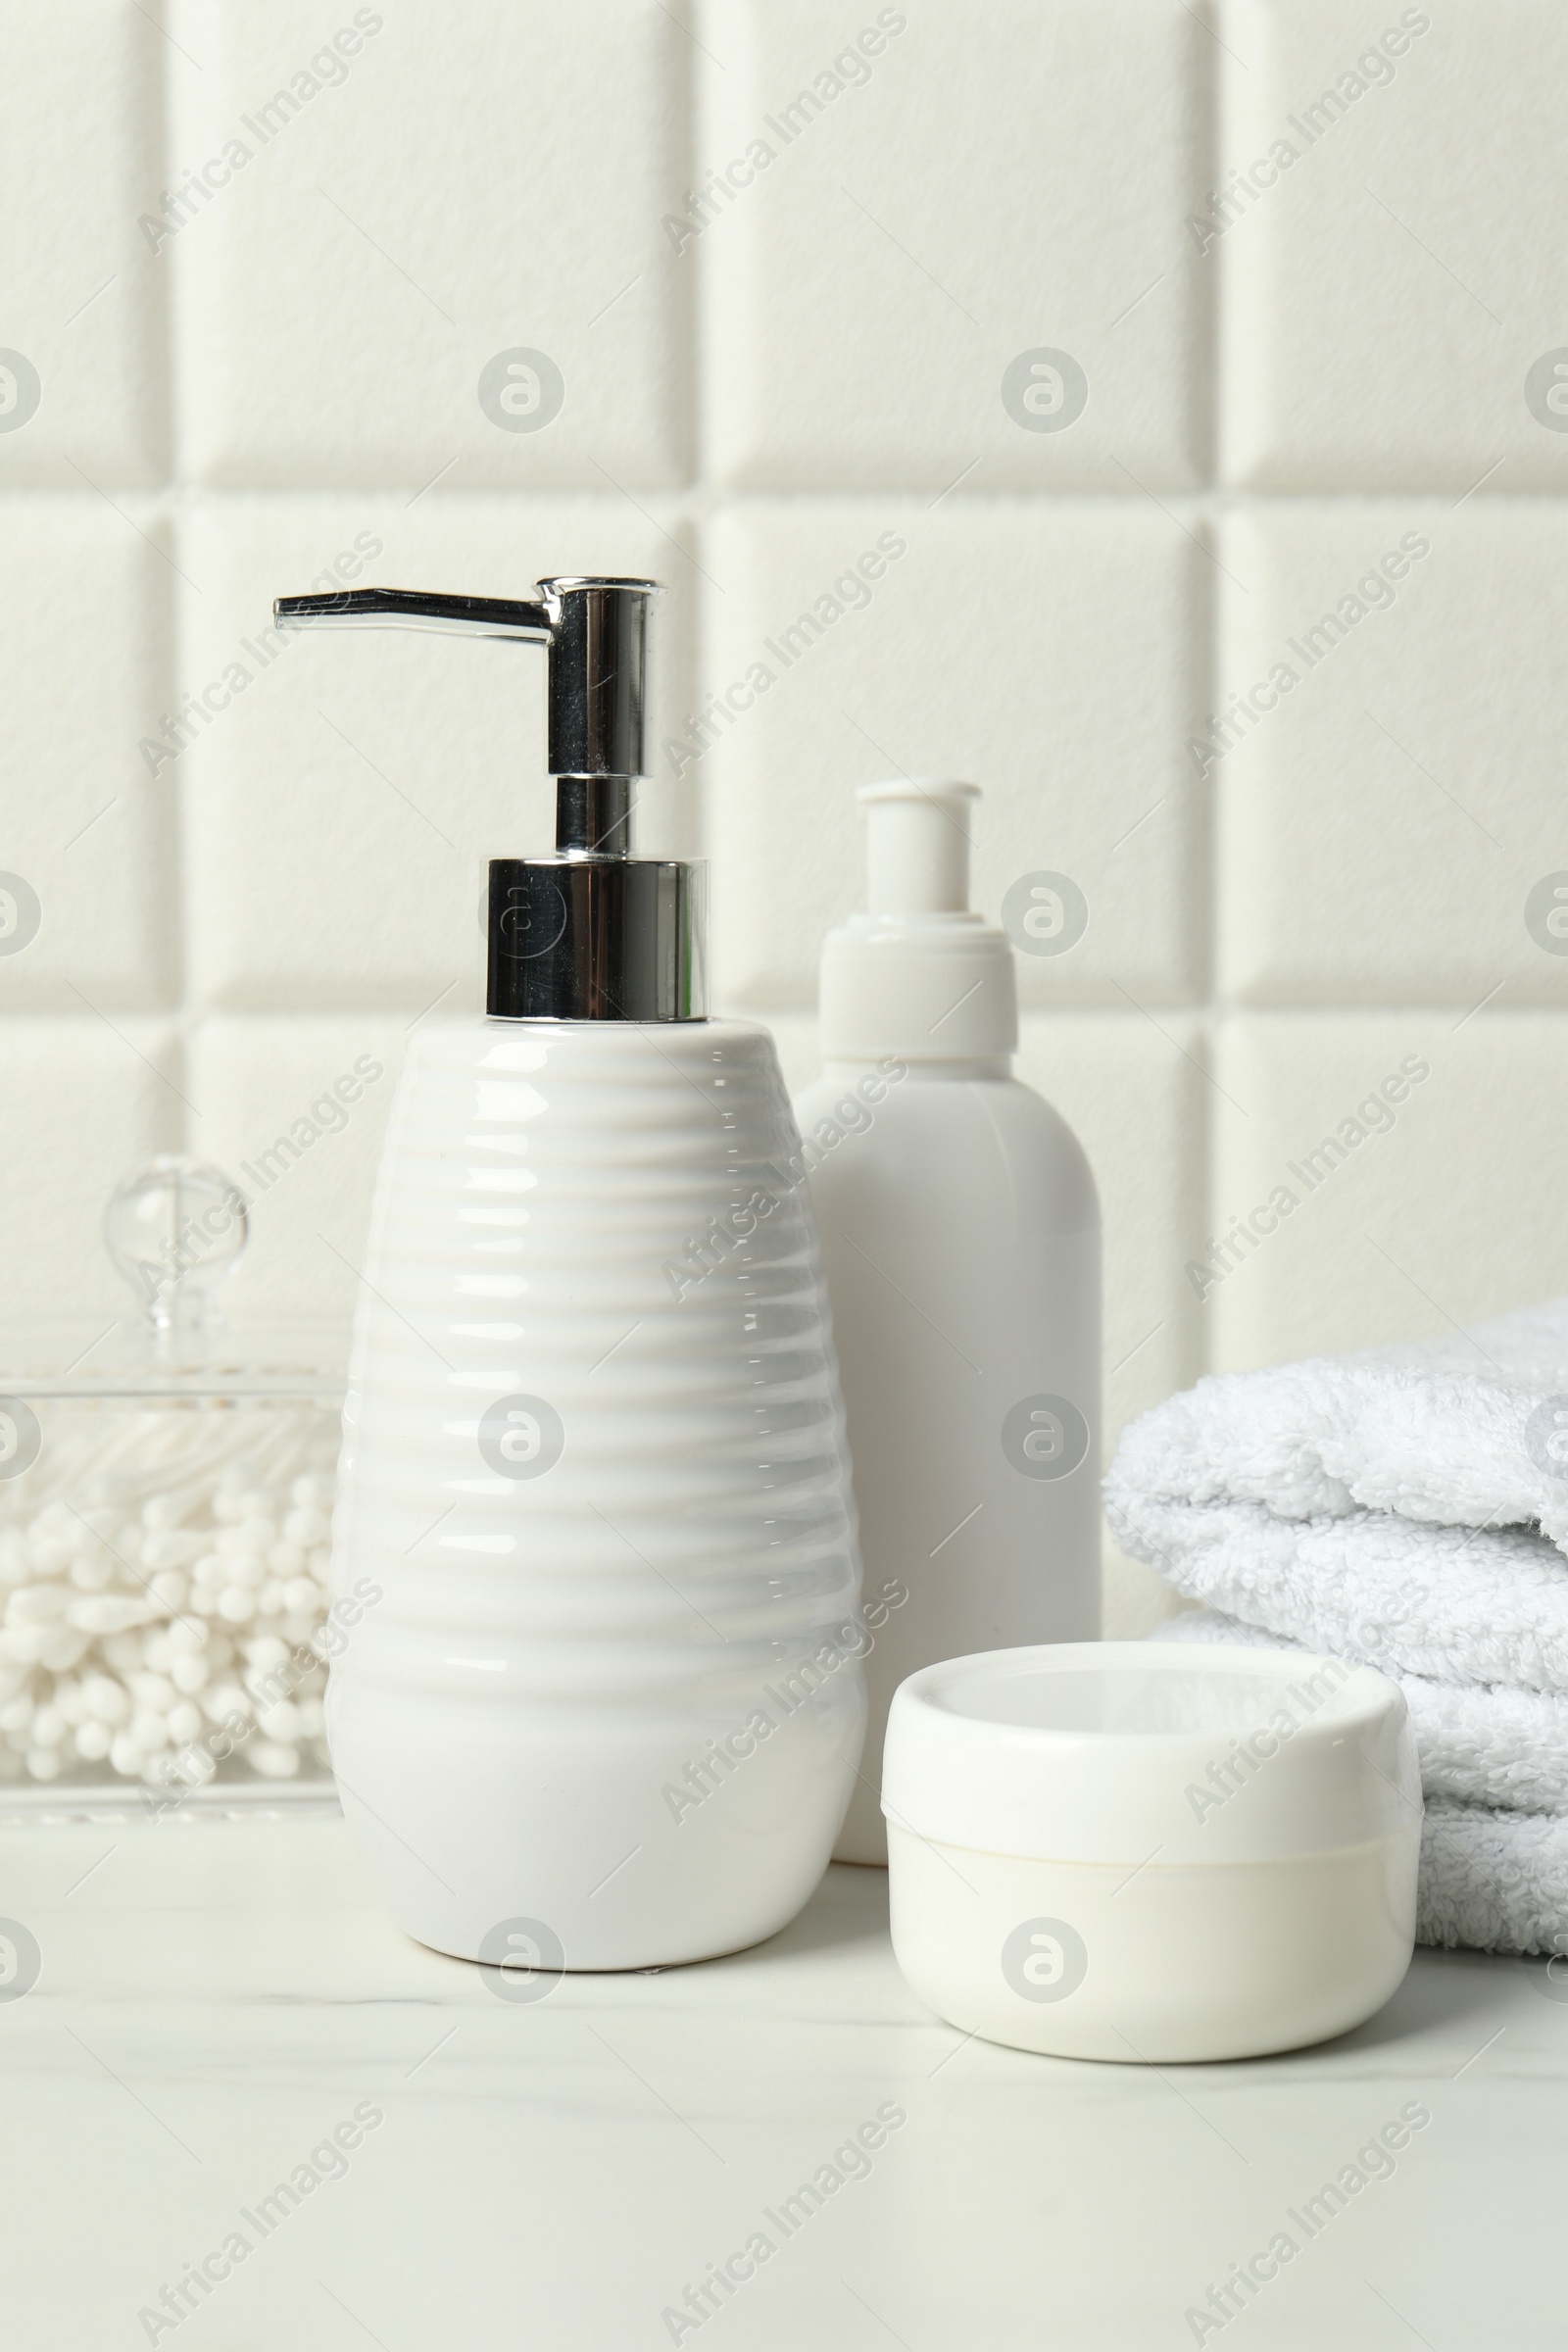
{"points": [[165, 1493]]}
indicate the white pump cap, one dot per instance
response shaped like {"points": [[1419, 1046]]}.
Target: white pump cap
{"points": [[917, 975], [918, 847]]}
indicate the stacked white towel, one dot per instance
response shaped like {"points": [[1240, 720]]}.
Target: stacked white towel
{"points": [[1406, 1508]]}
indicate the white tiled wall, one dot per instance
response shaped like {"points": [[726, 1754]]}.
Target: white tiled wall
{"points": [[792, 271]]}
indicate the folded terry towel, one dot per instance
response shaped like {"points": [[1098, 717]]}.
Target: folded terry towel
{"points": [[1479, 1744], [1492, 1881], [1406, 1508], [1384, 1507]]}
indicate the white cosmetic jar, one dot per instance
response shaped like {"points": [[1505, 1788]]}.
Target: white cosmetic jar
{"points": [[1122, 1850]]}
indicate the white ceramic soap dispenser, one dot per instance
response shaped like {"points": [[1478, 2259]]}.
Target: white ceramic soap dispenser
{"points": [[605, 1709], [960, 1234]]}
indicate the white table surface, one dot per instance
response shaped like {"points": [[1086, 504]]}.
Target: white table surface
{"points": [[215, 1996]]}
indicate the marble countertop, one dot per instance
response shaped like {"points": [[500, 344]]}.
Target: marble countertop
{"points": [[221, 2007]]}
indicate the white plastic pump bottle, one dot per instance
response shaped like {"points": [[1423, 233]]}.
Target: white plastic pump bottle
{"points": [[961, 1238]]}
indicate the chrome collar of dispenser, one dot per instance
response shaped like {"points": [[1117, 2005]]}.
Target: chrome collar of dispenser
{"points": [[593, 933]]}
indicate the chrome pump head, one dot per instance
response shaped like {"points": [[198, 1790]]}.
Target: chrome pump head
{"points": [[592, 933]]}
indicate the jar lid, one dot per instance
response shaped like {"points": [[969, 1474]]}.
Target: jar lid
{"points": [[78, 1358], [1135, 1753], [175, 1230]]}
